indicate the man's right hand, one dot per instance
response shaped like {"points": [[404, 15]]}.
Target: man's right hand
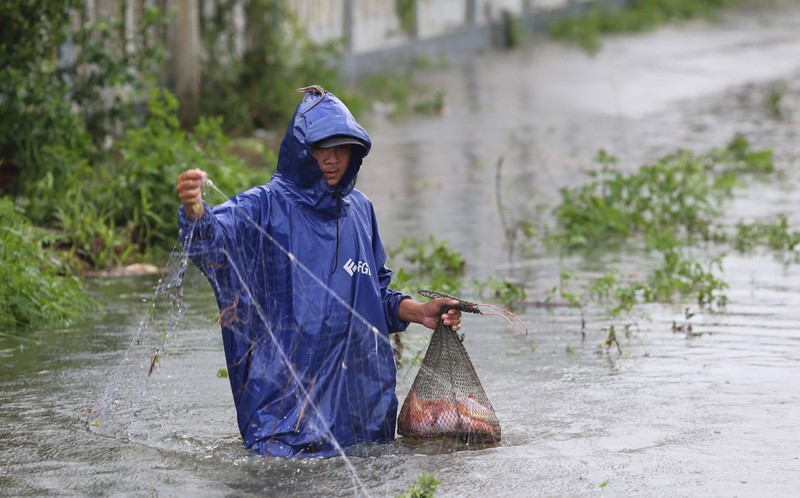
{"points": [[190, 192]]}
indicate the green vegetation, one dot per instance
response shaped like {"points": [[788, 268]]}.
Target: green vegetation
{"points": [[666, 209], [432, 264], [424, 487], [257, 89], [98, 146], [403, 95], [125, 203], [95, 166], [513, 30], [35, 108], [774, 234], [637, 16], [508, 294], [772, 102], [77, 102], [406, 11], [427, 264], [35, 288]]}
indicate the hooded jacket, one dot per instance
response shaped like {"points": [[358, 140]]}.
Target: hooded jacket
{"points": [[298, 271]]}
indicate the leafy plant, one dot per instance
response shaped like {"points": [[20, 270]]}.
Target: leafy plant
{"points": [[772, 103], [668, 205], [88, 93], [508, 294], [402, 94], [636, 16], [112, 70], [774, 234], [432, 265], [143, 189], [406, 11], [513, 30], [424, 487], [34, 98], [35, 288], [252, 86], [682, 276], [676, 198], [125, 204], [686, 327]]}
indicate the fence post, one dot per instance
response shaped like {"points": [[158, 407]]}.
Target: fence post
{"points": [[183, 39], [527, 17], [348, 25], [415, 25], [472, 13]]}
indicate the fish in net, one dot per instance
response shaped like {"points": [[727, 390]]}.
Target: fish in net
{"points": [[446, 398]]}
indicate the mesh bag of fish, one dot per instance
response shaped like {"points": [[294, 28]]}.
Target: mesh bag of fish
{"points": [[446, 398]]}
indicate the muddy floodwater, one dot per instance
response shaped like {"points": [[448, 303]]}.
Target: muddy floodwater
{"points": [[716, 413]]}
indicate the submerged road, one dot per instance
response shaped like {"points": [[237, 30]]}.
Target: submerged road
{"points": [[547, 110]]}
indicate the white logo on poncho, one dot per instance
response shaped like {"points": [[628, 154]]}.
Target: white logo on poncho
{"points": [[361, 267]]}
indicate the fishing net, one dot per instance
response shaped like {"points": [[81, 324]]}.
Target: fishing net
{"points": [[154, 396], [446, 398], [274, 339]]}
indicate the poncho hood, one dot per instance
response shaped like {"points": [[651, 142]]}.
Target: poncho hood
{"points": [[319, 116]]}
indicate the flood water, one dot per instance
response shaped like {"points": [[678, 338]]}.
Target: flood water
{"points": [[709, 415]]}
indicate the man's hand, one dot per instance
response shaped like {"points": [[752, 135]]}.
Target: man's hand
{"points": [[428, 315], [190, 192]]}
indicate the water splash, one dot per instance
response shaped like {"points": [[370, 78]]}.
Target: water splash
{"points": [[115, 410]]}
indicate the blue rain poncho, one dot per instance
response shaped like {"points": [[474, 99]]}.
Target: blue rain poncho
{"points": [[298, 271]]}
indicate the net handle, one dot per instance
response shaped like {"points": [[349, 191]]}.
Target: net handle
{"points": [[464, 306], [470, 307]]}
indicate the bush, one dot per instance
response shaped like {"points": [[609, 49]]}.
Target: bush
{"points": [[34, 99], [61, 85], [125, 205], [637, 16], [257, 88], [142, 189], [35, 288]]}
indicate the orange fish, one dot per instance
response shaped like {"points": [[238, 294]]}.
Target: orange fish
{"points": [[440, 417]]}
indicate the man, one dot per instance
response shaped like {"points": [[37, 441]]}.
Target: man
{"points": [[298, 270]]}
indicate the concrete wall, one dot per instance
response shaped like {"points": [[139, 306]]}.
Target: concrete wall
{"points": [[370, 30], [375, 41]]}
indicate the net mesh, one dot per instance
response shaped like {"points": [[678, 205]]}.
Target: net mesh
{"points": [[447, 398]]}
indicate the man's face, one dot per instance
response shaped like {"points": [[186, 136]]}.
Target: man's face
{"points": [[333, 162]]}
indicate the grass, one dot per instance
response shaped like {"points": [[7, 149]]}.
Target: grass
{"points": [[667, 209], [639, 16]]}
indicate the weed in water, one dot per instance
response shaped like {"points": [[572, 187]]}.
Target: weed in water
{"points": [[772, 103], [430, 264], [35, 288], [636, 16], [508, 294], [686, 327], [611, 339], [401, 95], [425, 487], [427, 264], [670, 205], [774, 234]]}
